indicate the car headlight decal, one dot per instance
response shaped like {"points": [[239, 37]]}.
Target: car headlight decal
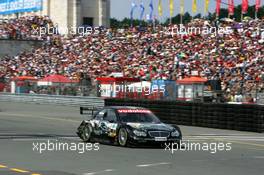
{"points": [[175, 133], [140, 133]]}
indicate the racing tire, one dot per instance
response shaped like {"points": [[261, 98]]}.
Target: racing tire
{"points": [[122, 137], [87, 133]]}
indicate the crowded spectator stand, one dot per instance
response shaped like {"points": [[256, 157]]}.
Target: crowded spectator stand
{"points": [[234, 57], [25, 28]]}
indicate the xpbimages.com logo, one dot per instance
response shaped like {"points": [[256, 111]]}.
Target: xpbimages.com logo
{"points": [[212, 147], [116, 88], [51, 146], [54, 30]]}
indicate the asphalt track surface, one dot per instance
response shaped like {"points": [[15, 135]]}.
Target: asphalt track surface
{"points": [[22, 125]]}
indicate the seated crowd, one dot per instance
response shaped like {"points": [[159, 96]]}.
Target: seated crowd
{"points": [[235, 55], [24, 28]]}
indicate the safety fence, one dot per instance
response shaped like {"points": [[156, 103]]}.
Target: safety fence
{"points": [[53, 99], [242, 117]]}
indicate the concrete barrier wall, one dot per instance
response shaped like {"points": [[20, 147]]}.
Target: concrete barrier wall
{"points": [[14, 47], [242, 117]]}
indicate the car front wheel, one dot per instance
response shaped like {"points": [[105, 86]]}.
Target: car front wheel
{"points": [[122, 137]]}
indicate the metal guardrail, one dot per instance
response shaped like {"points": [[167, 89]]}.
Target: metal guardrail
{"points": [[53, 99]]}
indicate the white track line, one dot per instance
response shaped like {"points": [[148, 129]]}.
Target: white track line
{"points": [[220, 134], [227, 137], [40, 117], [28, 139], [45, 139], [99, 172], [153, 164]]}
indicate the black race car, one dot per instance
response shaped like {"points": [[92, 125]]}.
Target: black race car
{"points": [[126, 125]]}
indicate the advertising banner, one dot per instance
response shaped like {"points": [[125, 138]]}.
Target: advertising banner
{"points": [[19, 6]]}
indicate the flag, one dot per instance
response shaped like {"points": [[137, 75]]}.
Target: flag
{"points": [[206, 5], [133, 7], [182, 7], [257, 6], [160, 8], [151, 10], [244, 6], [171, 7], [231, 7], [194, 6], [218, 6], [142, 8]]}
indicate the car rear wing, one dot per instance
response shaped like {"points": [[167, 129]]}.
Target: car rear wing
{"points": [[88, 110]]}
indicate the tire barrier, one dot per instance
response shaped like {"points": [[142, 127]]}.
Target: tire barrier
{"points": [[241, 117]]}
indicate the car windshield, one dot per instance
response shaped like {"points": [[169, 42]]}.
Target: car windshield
{"points": [[138, 117]]}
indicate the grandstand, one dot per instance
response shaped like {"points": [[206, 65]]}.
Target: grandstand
{"points": [[234, 57]]}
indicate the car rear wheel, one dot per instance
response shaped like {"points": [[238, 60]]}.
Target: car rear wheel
{"points": [[122, 137], [87, 133]]}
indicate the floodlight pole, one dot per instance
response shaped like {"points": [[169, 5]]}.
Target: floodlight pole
{"points": [[181, 18]]}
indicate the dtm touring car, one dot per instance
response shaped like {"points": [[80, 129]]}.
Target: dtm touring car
{"points": [[127, 126]]}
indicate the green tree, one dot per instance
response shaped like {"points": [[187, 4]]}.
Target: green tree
{"points": [[197, 16], [126, 22]]}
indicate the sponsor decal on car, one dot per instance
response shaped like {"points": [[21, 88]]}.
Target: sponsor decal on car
{"points": [[111, 129], [133, 111]]}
